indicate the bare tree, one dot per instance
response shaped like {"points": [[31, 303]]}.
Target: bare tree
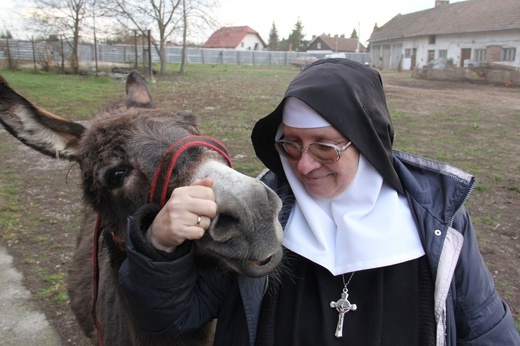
{"points": [[164, 17], [197, 17], [64, 18]]}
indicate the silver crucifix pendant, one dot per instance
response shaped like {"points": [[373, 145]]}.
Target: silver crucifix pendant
{"points": [[342, 306]]}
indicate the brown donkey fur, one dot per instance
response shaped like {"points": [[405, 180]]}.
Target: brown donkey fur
{"points": [[118, 154]]}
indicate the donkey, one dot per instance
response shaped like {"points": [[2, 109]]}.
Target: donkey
{"points": [[119, 154]]}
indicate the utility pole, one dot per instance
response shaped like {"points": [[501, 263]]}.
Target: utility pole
{"points": [[95, 38], [150, 56], [358, 35]]}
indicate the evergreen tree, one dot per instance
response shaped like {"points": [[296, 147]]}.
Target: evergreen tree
{"points": [[296, 38], [284, 44], [274, 40], [354, 34]]}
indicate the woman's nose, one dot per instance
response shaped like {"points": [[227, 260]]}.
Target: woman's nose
{"points": [[307, 164]]}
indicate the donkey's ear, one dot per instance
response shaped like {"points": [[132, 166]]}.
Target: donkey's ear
{"points": [[137, 93], [36, 128]]}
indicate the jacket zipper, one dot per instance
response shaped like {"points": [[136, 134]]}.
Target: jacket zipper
{"points": [[266, 285]]}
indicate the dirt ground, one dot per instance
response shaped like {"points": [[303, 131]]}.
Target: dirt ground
{"points": [[46, 228], [46, 202]]}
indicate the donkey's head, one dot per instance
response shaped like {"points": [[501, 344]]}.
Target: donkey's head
{"points": [[119, 153]]}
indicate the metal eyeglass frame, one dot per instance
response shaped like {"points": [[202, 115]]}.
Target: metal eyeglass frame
{"points": [[281, 149]]}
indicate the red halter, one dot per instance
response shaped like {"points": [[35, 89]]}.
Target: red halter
{"points": [[161, 178], [158, 195]]}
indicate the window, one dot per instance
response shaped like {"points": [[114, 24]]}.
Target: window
{"points": [[319, 45], [407, 53], [431, 39], [443, 53], [508, 54], [480, 55], [242, 44]]}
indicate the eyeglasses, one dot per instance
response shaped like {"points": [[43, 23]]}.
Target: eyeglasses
{"points": [[321, 152]]}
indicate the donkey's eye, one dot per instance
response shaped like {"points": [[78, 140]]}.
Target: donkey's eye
{"points": [[115, 177]]}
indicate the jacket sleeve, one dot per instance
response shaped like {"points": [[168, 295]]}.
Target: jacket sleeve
{"points": [[168, 296], [482, 317]]}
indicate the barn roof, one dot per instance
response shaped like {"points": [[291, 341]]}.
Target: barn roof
{"points": [[230, 37], [344, 44], [460, 17]]}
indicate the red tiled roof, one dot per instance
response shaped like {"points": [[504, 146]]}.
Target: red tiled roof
{"points": [[230, 37], [460, 17]]}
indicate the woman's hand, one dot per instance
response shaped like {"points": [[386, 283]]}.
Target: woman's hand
{"points": [[185, 216]]}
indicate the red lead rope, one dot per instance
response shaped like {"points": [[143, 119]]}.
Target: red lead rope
{"points": [[159, 190], [158, 195], [95, 279]]}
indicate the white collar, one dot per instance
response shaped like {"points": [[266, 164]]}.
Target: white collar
{"points": [[368, 226]]}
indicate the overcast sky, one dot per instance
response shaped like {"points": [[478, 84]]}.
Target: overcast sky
{"points": [[317, 16]]}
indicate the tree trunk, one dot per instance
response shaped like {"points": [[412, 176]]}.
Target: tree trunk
{"points": [[74, 60], [184, 35], [162, 55]]}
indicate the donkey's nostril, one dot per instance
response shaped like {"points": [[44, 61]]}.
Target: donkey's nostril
{"points": [[223, 228]]}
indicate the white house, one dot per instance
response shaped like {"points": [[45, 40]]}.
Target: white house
{"points": [[235, 37], [461, 33]]}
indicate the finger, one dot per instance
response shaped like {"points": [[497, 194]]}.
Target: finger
{"points": [[208, 182], [185, 193], [176, 233], [194, 232], [203, 222], [186, 206], [201, 199], [199, 219]]}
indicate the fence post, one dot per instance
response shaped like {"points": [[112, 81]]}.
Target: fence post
{"points": [[8, 51], [150, 55], [62, 55], [34, 52], [96, 54], [136, 61]]}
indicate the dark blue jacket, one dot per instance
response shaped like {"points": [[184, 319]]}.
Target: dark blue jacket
{"points": [[173, 297]]}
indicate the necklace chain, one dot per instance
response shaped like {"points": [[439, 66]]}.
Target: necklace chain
{"points": [[350, 278]]}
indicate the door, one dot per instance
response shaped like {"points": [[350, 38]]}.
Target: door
{"points": [[414, 58], [465, 54], [397, 53], [387, 53], [431, 55]]}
